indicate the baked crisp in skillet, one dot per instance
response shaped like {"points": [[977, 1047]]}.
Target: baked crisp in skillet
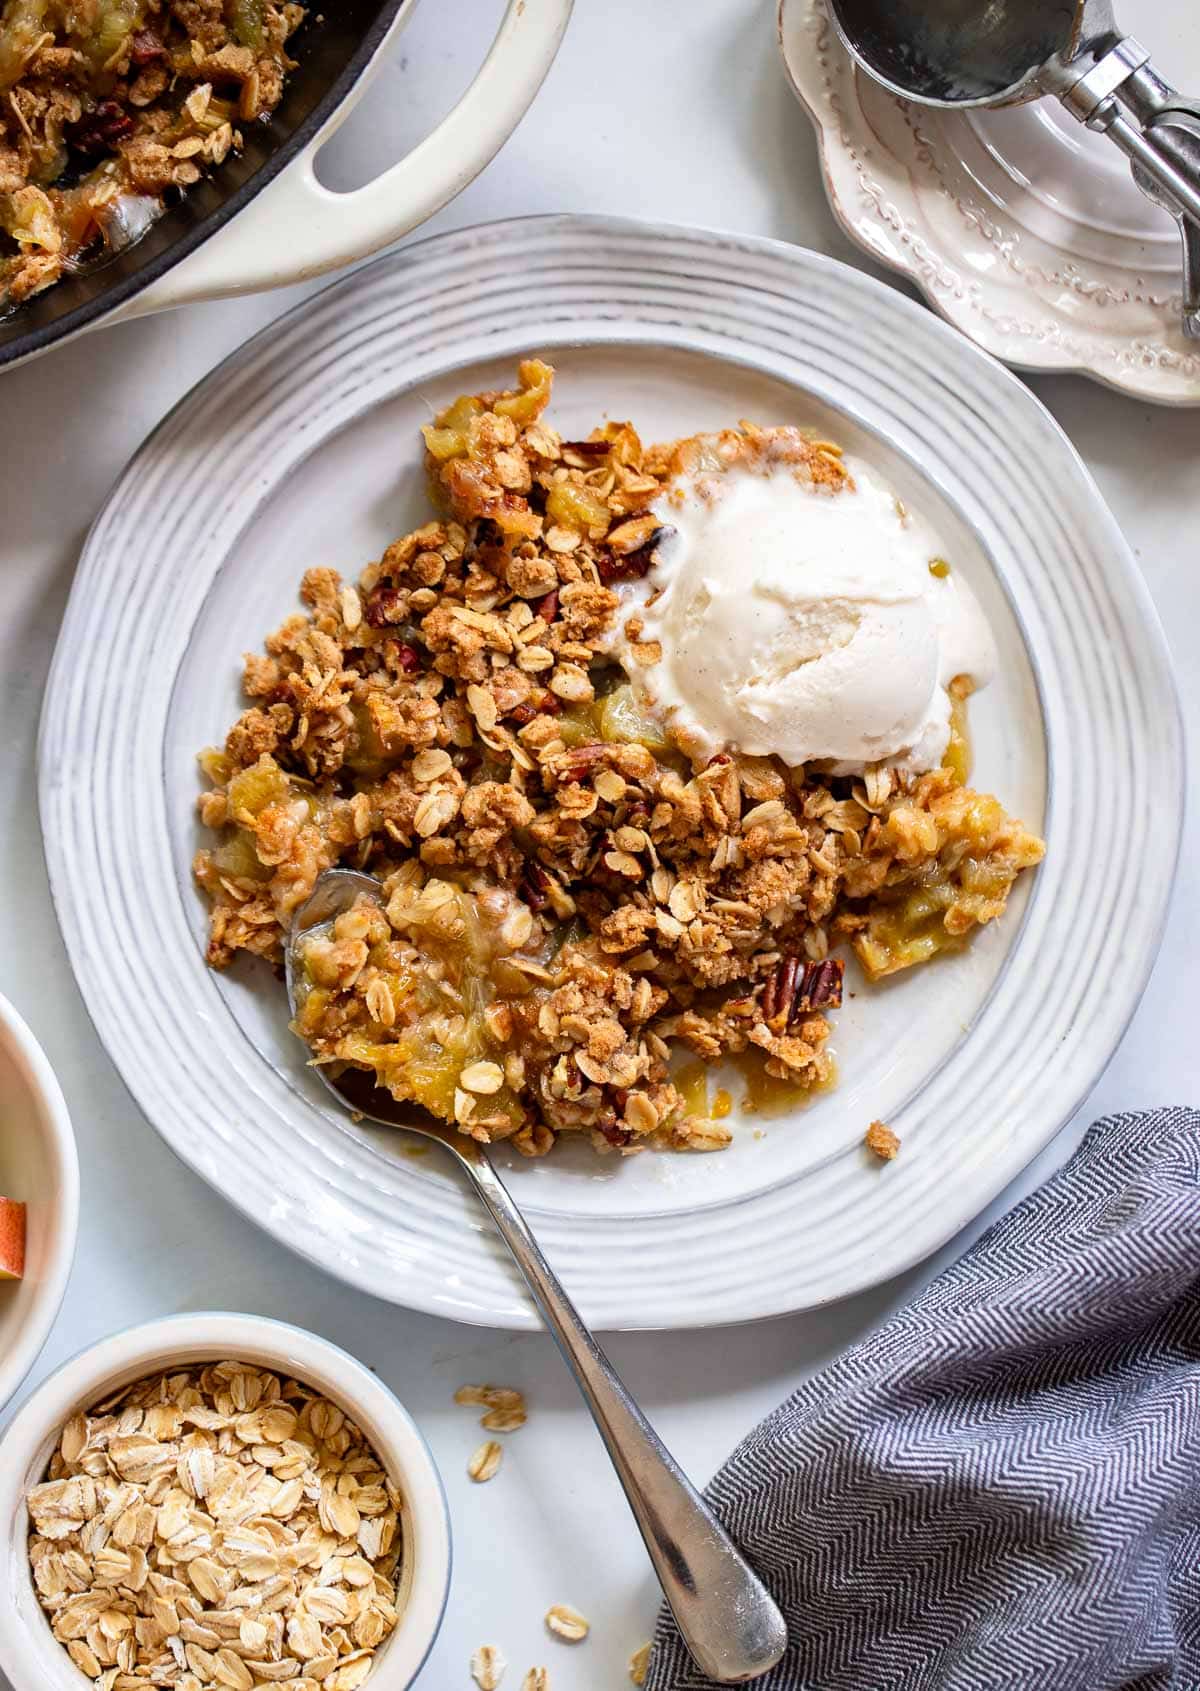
{"points": [[108, 105]]}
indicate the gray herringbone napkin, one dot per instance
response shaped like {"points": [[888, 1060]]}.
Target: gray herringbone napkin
{"points": [[1001, 1489]]}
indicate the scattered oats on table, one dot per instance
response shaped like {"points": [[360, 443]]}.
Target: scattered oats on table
{"points": [[639, 1664], [573, 903], [217, 1528], [504, 1406], [567, 1623], [487, 1667], [880, 1139], [537, 1679], [485, 1461], [503, 1420]]}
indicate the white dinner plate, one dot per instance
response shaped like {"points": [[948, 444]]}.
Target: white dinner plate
{"points": [[302, 449]]}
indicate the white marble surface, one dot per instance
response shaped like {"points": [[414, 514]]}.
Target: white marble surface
{"points": [[685, 120]]}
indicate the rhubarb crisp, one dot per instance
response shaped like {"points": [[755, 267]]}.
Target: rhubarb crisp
{"points": [[576, 913]]}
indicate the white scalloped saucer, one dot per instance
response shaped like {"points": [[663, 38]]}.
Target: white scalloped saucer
{"points": [[1023, 228], [302, 449]]}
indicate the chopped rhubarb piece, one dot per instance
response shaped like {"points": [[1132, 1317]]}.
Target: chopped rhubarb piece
{"points": [[12, 1239]]}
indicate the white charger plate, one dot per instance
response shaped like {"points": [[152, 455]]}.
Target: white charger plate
{"points": [[302, 449]]}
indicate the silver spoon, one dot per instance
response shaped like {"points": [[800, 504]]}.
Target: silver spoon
{"points": [[725, 1614], [968, 53]]}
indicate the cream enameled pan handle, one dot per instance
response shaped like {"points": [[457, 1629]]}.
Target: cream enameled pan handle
{"points": [[296, 229]]}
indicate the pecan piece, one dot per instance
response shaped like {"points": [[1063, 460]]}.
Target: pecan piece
{"points": [[795, 989], [547, 608], [821, 987], [145, 48], [633, 565], [618, 1137], [408, 657], [544, 703], [573, 764], [533, 884], [385, 605], [101, 129], [778, 993]]}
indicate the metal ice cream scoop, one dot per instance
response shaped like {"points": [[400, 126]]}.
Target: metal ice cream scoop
{"points": [[964, 53]]}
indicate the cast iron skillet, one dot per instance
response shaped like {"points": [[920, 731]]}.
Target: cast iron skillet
{"points": [[332, 56]]}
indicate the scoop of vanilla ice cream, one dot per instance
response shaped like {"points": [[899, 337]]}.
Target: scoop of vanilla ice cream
{"points": [[803, 622]]}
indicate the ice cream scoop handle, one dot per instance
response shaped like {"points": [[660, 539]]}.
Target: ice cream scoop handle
{"points": [[1171, 123], [1120, 79], [725, 1614], [1191, 278], [1176, 179], [1177, 132]]}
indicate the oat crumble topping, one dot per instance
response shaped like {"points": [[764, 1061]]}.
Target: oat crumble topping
{"points": [[572, 903], [880, 1139]]}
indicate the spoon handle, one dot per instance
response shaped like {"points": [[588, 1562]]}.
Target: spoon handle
{"points": [[725, 1614]]}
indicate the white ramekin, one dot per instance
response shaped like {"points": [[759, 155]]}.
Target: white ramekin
{"points": [[32, 1657], [38, 1165]]}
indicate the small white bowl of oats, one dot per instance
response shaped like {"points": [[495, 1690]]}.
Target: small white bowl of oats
{"points": [[219, 1501]]}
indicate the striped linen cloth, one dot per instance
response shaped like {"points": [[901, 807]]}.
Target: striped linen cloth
{"points": [[1001, 1488]]}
